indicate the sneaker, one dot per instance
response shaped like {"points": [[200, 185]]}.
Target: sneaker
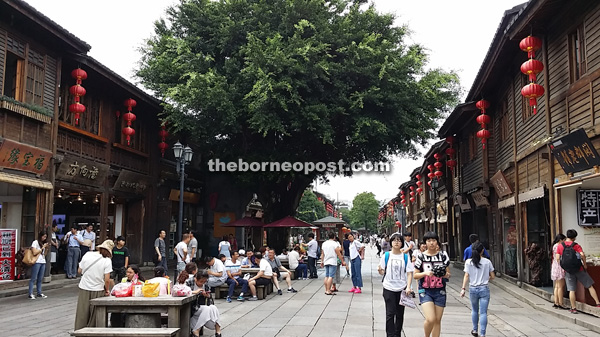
{"points": [[253, 298], [474, 333], [306, 278], [42, 296], [352, 290], [292, 290], [228, 299], [241, 298], [31, 297], [573, 311], [279, 292], [357, 291]]}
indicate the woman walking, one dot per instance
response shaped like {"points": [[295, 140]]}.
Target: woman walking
{"points": [[356, 256], [557, 274], [38, 269], [397, 270], [431, 269], [478, 272]]}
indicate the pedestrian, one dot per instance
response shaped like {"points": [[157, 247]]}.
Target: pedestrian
{"points": [[385, 244], [397, 271], [557, 274], [39, 248], [233, 268], [337, 279], [572, 260], [478, 272], [225, 247], [408, 245], [120, 260], [54, 249], [346, 244], [431, 269], [95, 269], [181, 251], [132, 272], [357, 251], [378, 245], [330, 251], [311, 251], [193, 246], [233, 243], [89, 239], [74, 240], [205, 313], [473, 238], [160, 247]]}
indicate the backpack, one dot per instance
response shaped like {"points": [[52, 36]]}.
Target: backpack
{"points": [[570, 260], [387, 258]]}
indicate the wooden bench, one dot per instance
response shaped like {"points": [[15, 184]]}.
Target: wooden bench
{"points": [[118, 332], [222, 290]]}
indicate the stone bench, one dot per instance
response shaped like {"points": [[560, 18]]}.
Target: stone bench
{"points": [[118, 332], [261, 291]]}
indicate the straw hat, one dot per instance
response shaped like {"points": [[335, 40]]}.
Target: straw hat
{"points": [[108, 245]]}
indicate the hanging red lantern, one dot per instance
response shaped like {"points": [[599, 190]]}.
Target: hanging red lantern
{"points": [[419, 183], [130, 103], [530, 44], [418, 177], [419, 190], [412, 199], [483, 120], [438, 165], [451, 163], [163, 147], [483, 135], [438, 174], [450, 152], [128, 132], [430, 167], [118, 114], [450, 140], [129, 117], [78, 91], [430, 175], [482, 105], [163, 134], [412, 194], [412, 188], [532, 91], [531, 68]]}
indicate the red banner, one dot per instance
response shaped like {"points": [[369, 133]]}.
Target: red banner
{"points": [[8, 245]]}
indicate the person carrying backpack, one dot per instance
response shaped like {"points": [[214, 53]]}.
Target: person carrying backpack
{"points": [[572, 260], [397, 271]]}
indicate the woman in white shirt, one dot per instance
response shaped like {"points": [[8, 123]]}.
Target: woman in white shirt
{"points": [[225, 247], [478, 271], [38, 269], [397, 270]]}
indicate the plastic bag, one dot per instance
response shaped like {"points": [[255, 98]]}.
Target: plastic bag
{"points": [[181, 290], [122, 290], [407, 301], [150, 289]]}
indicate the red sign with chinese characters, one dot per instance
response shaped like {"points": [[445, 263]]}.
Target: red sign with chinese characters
{"points": [[8, 245], [23, 157]]}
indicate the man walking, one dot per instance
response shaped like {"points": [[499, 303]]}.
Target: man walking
{"points": [[181, 250], [468, 253], [161, 250], [193, 246], [89, 238], [234, 273], [312, 245], [575, 267], [330, 252]]}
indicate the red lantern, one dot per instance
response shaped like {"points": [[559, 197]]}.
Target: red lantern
{"points": [[483, 120], [412, 199], [482, 105], [438, 165], [530, 44], [128, 131], [437, 156], [532, 91], [130, 103], [163, 134], [450, 140], [532, 67], [163, 147], [412, 188], [484, 135], [77, 108], [430, 167], [439, 173], [430, 175], [77, 90], [451, 163], [419, 183], [118, 114], [129, 117], [412, 194], [418, 177], [450, 152], [419, 190], [79, 75]]}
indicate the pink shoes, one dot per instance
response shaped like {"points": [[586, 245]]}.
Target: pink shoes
{"points": [[351, 290], [355, 290]]}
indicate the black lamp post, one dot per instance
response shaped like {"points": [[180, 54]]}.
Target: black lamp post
{"points": [[183, 156], [435, 183]]}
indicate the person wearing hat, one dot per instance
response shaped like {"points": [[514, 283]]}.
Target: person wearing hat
{"points": [[95, 269]]}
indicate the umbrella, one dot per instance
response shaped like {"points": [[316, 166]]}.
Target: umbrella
{"points": [[288, 221], [329, 220]]}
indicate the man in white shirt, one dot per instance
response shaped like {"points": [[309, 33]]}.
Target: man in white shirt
{"points": [[88, 234], [280, 271], [217, 274], [263, 277], [181, 251], [330, 252], [234, 276], [312, 246]]}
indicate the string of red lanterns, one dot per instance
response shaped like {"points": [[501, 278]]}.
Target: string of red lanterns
{"points": [[483, 120], [129, 117], [77, 90], [532, 67], [163, 134], [419, 183], [430, 175], [450, 152], [438, 166], [412, 194]]}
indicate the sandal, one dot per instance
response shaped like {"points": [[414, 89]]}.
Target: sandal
{"points": [[329, 294]]}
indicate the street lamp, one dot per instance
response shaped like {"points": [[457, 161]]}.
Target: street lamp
{"points": [[183, 156], [435, 183]]}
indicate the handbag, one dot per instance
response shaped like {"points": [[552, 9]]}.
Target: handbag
{"points": [[407, 301], [29, 257]]}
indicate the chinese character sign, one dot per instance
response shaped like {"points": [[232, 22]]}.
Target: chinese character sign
{"points": [[589, 207], [23, 157], [574, 152], [8, 245]]}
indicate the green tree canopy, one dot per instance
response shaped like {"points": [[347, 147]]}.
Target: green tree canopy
{"points": [[293, 81], [310, 208], [364, 211]]}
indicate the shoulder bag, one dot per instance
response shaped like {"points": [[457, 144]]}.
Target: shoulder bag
{"points": [[29, 257]]}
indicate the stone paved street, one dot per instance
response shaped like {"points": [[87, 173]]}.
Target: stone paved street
{"points": [[311, 313]]}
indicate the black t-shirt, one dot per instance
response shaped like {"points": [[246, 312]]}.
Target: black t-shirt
{"points": [[425, 262], [119, 255]]}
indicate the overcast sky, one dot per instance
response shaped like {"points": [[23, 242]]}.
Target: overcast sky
{"points": [[457, 34]]}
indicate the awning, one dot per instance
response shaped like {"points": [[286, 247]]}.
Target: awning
{"points": [[508, 202], [25, 181], [535, 193]]}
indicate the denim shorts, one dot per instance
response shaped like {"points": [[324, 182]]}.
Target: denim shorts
{"points": [[330, 270], [437, 296]]}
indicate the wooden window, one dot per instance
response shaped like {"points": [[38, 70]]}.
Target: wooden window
{"points": [[472, 147], [577, 59], [34, 85], [504, 123], [13, 76]]}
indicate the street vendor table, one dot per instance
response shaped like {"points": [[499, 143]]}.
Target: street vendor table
{"points": [[178, 309]]}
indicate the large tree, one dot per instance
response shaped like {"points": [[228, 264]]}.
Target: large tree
{"points": [[293, 81], [310, 208], [364, 211]]}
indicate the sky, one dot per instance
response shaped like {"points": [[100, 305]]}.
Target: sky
{"points": [[457, 35]]}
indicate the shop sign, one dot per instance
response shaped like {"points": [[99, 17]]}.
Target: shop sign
{"points": [[501, 185], [23, 157], [588, 207], [329, 225], [480, 199], [82, 171], [463, 202], [8, 245], [131, 182], [574, 152]]}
